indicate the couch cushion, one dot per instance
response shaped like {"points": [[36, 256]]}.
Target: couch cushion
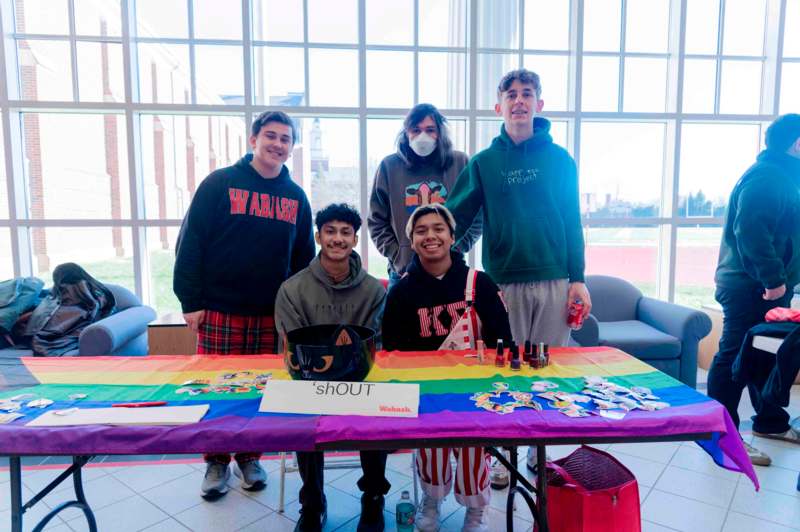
{"points": [[639, 339]]}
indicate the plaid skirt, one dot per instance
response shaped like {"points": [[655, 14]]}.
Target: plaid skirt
{"points": [[232, 334]]}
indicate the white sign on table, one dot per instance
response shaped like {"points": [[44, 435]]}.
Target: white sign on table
{"points": [[161, 415], [341, 398]]}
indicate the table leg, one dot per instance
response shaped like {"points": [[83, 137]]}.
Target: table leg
{"points": [[18, 508], [541, 486], [512, 453], [15, 477], [520, 486]]}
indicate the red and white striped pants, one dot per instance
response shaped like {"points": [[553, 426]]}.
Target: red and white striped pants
{"points": [[472, 474]]}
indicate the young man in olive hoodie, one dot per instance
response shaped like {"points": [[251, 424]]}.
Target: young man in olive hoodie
{"points": [[533, 239], [334, 289], [759, 265]]}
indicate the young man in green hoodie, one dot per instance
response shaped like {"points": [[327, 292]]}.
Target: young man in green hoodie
{"points": [[533, 239], [759, 266], [334, 289]]}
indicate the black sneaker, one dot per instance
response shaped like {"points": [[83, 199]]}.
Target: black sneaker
{"points": [[311, 521], [371, 519]]}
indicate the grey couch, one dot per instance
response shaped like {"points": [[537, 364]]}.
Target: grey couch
{"points": [[122, 333], [664, 335]]}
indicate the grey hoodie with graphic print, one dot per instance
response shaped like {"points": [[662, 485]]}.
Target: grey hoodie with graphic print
{"points": [[397, 191]]}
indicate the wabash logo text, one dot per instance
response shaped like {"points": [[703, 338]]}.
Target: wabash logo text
{"points": [[243, 202]]}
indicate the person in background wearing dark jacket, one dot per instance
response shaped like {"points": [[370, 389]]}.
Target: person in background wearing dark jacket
{"points": [[422, 171], [533, 240], [247, 230], [421, 311], [334, 289], [759, 265]]}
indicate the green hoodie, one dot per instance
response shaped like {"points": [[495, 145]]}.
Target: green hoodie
{"points": [[531, 214]]}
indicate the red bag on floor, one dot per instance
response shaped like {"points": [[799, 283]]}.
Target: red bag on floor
{"points": [[590, 491]]}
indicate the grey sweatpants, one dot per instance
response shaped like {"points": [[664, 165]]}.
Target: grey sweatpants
{"points": [[537, 311]]}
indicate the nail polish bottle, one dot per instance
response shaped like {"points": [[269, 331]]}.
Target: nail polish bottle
{"points": [[499, 359], [514, 354], [526, 354]]}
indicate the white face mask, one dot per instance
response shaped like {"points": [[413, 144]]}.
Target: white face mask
{"points": [[423, 144]]}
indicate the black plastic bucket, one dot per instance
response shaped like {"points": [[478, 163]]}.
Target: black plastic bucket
{"points": [[330, 352]]}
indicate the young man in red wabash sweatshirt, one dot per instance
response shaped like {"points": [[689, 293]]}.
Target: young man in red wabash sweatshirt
{"points": [[248, 229]]}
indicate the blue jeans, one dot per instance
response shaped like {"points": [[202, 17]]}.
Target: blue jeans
{"points": [[742, 308]]}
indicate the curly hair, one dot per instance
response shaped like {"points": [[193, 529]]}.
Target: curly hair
{"points": [[340, 212]]}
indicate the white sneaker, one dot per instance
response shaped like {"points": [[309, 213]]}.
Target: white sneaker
{"points": [[475, 521], [533, 456], [756, 456], [427, 518], [215, 481], [499, 477]]}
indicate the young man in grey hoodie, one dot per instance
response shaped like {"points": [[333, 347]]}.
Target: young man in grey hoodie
{"points": [[334, 289]]}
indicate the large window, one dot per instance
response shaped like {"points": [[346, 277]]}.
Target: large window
{"points": [[116, 110]]}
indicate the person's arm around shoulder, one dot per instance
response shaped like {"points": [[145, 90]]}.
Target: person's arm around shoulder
{"points": [[380, 215], [761, 204], [491, 310], [187, 281], [465, 201], [475, 230]]}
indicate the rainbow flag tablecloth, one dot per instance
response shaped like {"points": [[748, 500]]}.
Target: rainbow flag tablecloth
{"points": [[447, 380]]}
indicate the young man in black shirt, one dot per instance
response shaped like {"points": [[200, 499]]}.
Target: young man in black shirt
{"points": [[435, 298]]}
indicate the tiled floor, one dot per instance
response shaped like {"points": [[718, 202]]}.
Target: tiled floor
{"points": [[679, 486]]}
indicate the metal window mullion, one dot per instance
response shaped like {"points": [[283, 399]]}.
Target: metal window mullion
{"points": [[577, 41], [238, 110], [521, 29], [61, 38], [22, 265], [73, 51], [416, 51], [720, 36], [622, 37], [619, 53], [362, 122], [130, 57], [186, 40], [472, 82], [306, 68], [247, 54], [192, 58], [97, 222], [676, 163], [776, 102]]}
